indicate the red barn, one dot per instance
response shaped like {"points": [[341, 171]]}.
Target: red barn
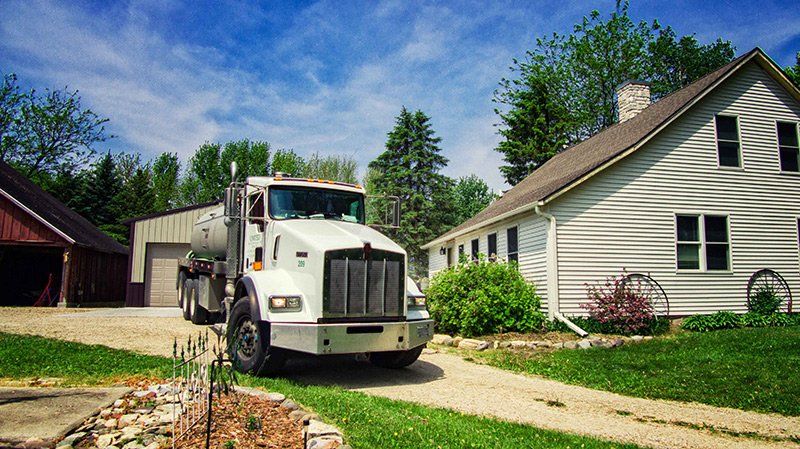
{"points": [[50, 254]]}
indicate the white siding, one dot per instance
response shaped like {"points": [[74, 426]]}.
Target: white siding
{"points": [[624, 216], [532, 241]]}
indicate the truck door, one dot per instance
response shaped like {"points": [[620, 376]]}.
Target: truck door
{"points": [[254, 232]]}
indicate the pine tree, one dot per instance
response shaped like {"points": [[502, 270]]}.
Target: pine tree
{"points": [[98, 200], [410, 169]]}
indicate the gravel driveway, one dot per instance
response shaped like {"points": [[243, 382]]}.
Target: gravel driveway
{"points": [[446, 380]]}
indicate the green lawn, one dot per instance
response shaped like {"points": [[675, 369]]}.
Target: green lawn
{"points": [[367, 421], [751, 369]]}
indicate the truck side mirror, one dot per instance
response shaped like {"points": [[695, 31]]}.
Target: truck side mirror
{"points": [[383, 211]]}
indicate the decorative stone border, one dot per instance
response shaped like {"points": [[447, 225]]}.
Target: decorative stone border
{"points": [[145, 422], [534, 345], [316, 434]]}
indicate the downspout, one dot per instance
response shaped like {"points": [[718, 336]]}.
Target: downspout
{"points": [[553, 309]]}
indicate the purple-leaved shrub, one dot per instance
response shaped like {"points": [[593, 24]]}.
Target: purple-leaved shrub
{"points": [[621, 306]]}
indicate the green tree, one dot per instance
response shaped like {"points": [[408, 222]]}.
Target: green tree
{"points": [[98, 202], [793, 72], [563, 91], [252, 158], [208, 172], [410, 169], [10, 102], [675, 62], [287, 161], [51, 132], [335, 168], [165, 173], [471, 195]]}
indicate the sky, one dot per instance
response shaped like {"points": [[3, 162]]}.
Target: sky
{"points": [[327, 77]]}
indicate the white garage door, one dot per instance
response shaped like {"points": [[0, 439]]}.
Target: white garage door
{"points": [[162, 267]]}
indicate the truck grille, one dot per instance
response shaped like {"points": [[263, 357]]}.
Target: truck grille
{"points": [[357, 288]]}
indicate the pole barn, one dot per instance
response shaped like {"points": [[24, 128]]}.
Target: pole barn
{"points": [[50, 255]]}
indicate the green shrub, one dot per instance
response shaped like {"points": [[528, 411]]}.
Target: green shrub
{"points": [[753, 319], [764, 302], [656, 327], [705, 323], [479, 298]]}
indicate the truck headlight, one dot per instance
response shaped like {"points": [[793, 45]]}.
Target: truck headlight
{"points": [[418, 302], [284, 302]]}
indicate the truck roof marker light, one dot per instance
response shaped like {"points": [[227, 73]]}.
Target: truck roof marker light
{"points": [[358, 186]]}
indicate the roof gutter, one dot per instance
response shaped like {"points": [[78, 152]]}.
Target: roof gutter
{"points": [[553, 302], [479, 225]]}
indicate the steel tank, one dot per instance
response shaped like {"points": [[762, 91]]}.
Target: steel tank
{"points": [[210, 235]]}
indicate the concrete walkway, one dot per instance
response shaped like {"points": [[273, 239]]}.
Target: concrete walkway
{"points": [[127, 312], [42, 416]]}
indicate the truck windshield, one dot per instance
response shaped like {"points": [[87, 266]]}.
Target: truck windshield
{"points": [[312, 203]]}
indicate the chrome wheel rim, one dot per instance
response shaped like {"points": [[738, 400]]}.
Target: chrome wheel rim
{"points": [[247, 339]]}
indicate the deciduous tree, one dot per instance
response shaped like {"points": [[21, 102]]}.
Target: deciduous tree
{"points": [[165, 172]]}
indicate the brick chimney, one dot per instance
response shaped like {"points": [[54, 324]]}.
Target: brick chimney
{"points": [[632, 98]]}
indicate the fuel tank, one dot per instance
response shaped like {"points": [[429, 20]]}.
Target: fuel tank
{"points": [[210, 235]]}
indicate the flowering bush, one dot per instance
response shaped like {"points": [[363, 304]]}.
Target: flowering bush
{"points": [[479, 298], [621, 306]]}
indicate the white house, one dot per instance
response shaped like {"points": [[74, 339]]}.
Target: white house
{"points": [[700, 190]]}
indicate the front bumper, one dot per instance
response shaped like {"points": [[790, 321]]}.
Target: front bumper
{"points": [[350, 338]]}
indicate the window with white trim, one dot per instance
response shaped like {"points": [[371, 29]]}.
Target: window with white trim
{"points": [[702, 242], [512, 242], [728, 146], [788, 148], [491, 243], [474, 248]]}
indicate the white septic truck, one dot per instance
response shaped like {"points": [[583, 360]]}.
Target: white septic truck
{"points": [[290, 264]]}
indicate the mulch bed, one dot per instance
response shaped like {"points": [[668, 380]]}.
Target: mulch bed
{"points": [[241, 421]]}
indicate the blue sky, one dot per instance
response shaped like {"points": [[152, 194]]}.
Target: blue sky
{"points": [[320, 76]]}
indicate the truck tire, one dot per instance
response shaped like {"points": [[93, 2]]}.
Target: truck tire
{"points": [[181, 291], [248, 343], [197, 313], [396, 359], [188, 289]]}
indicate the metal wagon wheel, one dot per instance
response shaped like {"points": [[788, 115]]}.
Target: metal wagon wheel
{"points": [[649, 288], [773, 282]]}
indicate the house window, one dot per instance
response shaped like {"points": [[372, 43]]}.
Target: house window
{"points": [[474, 252], [702, 242], [788, 146], [449, 257], [491, 240], [728, 146], [460, 252], [513, 249]]}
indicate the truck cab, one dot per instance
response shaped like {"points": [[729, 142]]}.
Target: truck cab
{"points": [[305, 273]]}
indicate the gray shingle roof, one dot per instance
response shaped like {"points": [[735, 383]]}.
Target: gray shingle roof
{"points": [[569, 166]]}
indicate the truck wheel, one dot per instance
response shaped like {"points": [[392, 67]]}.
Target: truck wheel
{"points": [[197, 313], [188, 289], [181, 291], [248, 343], [396, 359]]}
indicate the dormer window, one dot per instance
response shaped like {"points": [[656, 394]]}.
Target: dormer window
{"points": [[729, 152], [788, 146]]}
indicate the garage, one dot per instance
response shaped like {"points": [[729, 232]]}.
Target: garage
{"points": [[51, 255], [161, 269], [157, 241]]}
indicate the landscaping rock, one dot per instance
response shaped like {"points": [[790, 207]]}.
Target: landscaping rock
{"points": [[469, 343], [329, 442], [637, 338], [617, 342], [318, 428], [648, 337], [128, 419], [456, 341], [571, 344], [558, 345], [584, 344], [289, 405], [441, 339], [503, 344], [277, 397], [518, 344], [104, 441]]}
